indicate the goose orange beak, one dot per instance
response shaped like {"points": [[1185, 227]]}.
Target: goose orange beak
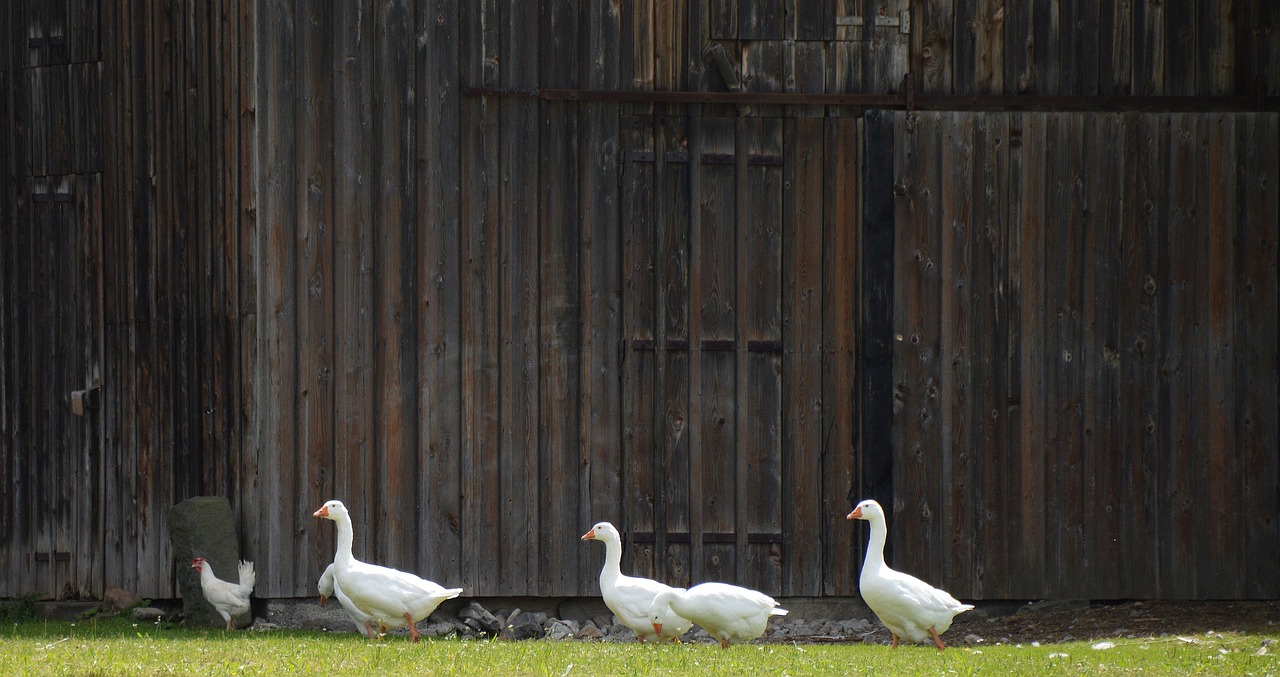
{"points": [[856, 514], [322, 512], [657, 627], [589, 535]]}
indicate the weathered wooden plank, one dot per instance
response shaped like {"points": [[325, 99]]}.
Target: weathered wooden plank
{"points": [[1216, 26], [1149, 47], [1047, 40], [84, 40], [638, 70], [639, 317], [316, 291], [1262, 59], [8, 341], [759, 289], [600, 234], [840, 462], [1137, 451], [723, 20], [560, 311], [9, 54], [115, 198], [672, 210], [674, 562], [760, 19], [1255, 369], [1078, 44], [1032, 65], [85, 92], [1070, 474], [1100, 341], [841, 26], [1010, 332], [1215, 375], [439, 255], [670, 40], [696, 18], [716, 471], [1116, 43], [46, 373], [887, 51], [520, 566], [987, 348], [202, 180], [479, 255], [932, 46], [395, 367], [1030, 558], [1178, 310], [805, 70], [808, 21], [354, 466], [246, 283], [954, 475], [35, 95], [85, 457], [218, 244], [802, 244], [979, 47], [1182, 56], [273, 368], [140, 210], [764, 66], [846, 72]]}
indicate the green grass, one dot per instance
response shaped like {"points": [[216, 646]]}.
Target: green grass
{"points": [[118, 647]]}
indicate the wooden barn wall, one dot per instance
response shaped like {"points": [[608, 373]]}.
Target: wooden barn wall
{"points": [[1085, 372], [125, 196], [289, 259], [459, 334], [1131, 47]]}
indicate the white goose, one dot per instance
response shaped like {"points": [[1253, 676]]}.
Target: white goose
{"points": [[328, 588], [727, 612], [906, 605], [629, 598], [387, 595]]}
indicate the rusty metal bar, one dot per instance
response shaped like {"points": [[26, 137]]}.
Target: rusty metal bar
{"points": [[914, 101]]}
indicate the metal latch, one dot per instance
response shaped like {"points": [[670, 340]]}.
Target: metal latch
{"points": [[902, 22]]}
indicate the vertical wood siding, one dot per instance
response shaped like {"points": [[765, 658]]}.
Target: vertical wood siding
{"points": [[300, 264], [125, 207], [1078, 297]]}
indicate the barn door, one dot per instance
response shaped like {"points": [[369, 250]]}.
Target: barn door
{"points": [[738, 275], [52, 317]]}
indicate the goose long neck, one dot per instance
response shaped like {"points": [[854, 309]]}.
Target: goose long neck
{"points": [[346, 536], [612, 560], [875, 546]]}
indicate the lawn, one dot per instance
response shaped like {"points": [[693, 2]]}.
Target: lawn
{"points": [[119, 647]]}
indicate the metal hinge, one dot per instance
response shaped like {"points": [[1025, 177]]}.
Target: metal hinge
{"points": [[902, 22]]}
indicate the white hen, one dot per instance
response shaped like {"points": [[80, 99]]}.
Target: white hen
{"points": [[229, 599], [727, 612], [628, 597], [906, 605], [389, 596]]}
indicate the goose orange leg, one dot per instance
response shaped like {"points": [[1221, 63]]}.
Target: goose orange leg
{"points": [[413, 629], [895, 639], [936, 639]]}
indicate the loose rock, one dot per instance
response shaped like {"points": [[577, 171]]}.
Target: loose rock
{"points": [[147, 613]]}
